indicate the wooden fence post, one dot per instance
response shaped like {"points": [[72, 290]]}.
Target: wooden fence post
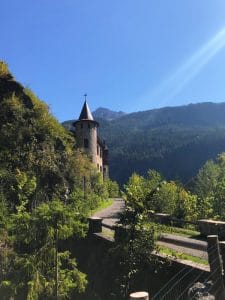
{"points": [[95, 225], [139, 296], [216, 268], [121, 233], [222, 251]]}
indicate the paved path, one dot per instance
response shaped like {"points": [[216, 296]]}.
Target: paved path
{"points": [[110, 214], [181, 244], [185, 245], [186, 250]]}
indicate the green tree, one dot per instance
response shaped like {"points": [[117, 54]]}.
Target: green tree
{"points": [[209, 187], [131, 259], [47, 188], [134, 192], [39, 268], [113, 188], [155, 194]]}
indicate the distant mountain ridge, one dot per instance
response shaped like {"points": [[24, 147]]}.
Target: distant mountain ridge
{"points": [[200, 114], [173, 140], [107, 114]]}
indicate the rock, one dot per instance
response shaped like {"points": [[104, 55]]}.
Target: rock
{"points": [[200, 291]]}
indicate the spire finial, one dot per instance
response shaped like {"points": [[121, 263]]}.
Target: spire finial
{"points": [[85, 97]]}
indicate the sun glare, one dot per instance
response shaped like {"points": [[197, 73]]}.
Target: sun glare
{"points": [[174, 84]]}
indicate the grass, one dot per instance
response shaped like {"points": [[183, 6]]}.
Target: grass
{"points": [[108, 232], [102, 205], [183, 256], [174, 230]]}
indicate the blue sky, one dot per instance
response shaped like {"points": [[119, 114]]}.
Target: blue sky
{"points": [[128, 55]]}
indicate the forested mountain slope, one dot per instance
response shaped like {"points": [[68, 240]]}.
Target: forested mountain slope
{"points": [[173, 140]]}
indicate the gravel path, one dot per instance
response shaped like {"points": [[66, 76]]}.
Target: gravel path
{"points": [[186, 250], [110, 214], [184, 245]]}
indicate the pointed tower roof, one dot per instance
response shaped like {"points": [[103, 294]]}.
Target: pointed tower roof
{"points": [[86, 113]]}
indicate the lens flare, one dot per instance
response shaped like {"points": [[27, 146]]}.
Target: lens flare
{"points": [[173, 85]]}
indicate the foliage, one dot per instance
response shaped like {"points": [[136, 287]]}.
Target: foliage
{"points": [[187, 231], [135, 191], [182, 256], [155, 194], [47, 189], [35, 145], [39, 269], [104, 204], [4, 71], [134, 241], [38, 158], [210, 189], [132, 256], [207, 199], [113, 188]]}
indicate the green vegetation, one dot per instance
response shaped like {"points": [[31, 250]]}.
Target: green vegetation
{"points": [[4, 71], [210, 187], [47, 190], [159, 228], [103, 204], [113, 188], [131, 256], [183, 256], [38, 268], [155, 194], [132, 252], [108, 232]]}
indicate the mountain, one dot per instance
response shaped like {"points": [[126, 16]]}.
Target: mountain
{"points": [[176, 141], [107, 114]]}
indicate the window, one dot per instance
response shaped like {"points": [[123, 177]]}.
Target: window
{"points": [[97, 150], [86, 143], [100, 168]]}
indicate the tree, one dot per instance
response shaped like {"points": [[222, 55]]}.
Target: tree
{"points": [[113, 188], [130, 260], [42, 192], [134, 192], [40, 269], [155, 194], [210, 187]]}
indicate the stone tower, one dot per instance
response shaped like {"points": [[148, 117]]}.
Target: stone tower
{"points": [[89, 142], [86, 132]]}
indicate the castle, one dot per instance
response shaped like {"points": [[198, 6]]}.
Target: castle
{"points": [[89, 141]]}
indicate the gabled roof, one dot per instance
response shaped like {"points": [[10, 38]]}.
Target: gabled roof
{"points": [[86, 113]]}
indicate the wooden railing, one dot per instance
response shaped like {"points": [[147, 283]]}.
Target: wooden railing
{"points": [[216, 250], [205, 226]]}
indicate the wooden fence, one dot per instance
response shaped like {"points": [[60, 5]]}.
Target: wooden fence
{"points": [[215, 249]]}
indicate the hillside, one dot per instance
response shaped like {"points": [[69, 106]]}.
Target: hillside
{"points": [[43, 200], [173, 140]]}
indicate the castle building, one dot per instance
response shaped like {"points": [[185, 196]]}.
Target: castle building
{"points": [[89, 141]]}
